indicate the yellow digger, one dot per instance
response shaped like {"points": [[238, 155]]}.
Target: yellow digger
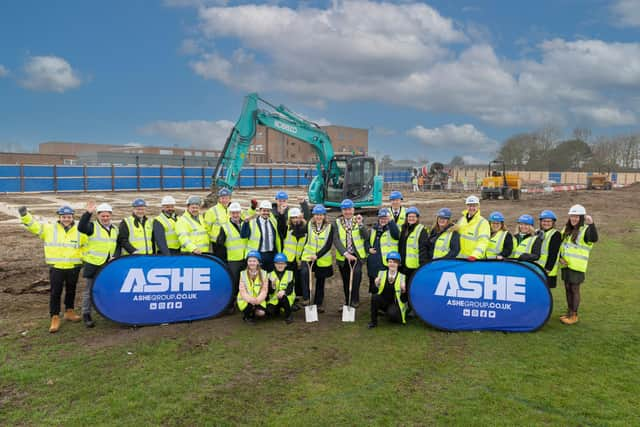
{"points": [[599, 181], [498, 184]]}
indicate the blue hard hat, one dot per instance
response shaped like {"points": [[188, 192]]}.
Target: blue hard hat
{"points": [[280, 257], [383, 212], [319, 210], [525, 219], [254, 254], [413, 210], [65, 210], [444, 213], [282, 195], [496, 217], [394, 255], [395, 195], [138, 203], [224, 192], [547, 214], [346, 204]]}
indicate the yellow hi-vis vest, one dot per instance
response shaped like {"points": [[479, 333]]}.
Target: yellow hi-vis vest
{"points": [[387, 244], [576, 254], [253, 243], [252, 288], [524, 247], [315, 242], [544, 252], [292, 246], [62, 248], [400, 279], [358, 241], [169, 225], [139, 235], [236, 245], [281, 285], [192, 234], [496, 244], [101, 245], [442, 245], [412, 253], [402, 215], [215, 215], [474, 235]]}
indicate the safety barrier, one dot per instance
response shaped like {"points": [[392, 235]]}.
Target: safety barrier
{"points": [[58, 178]]}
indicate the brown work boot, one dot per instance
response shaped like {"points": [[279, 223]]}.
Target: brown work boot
{"points": [[55, 324], [70, 315], [565, 316], [573, 318]]}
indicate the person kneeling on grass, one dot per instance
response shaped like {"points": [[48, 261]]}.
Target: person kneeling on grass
{"points": [[252, 295], [391, 293], [281, 292]]}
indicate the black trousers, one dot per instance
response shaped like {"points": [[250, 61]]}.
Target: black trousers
{"points": [[357, 278], [389, 305], [293, 267], [59, 279], [267, 261], [283, 303], [249, 311], [306, 293], [235, 267]]}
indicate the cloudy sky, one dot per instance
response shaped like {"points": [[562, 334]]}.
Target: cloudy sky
{"points": [[429, 80]]}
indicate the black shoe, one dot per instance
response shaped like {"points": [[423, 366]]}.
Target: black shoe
{"points": [[249, 320], [295, 307], [355, 304], [289, 319], [320, 309], [231, 310], [372, 325], [88, 321]]}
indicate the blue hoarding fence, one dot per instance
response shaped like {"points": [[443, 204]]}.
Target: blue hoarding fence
{"points": [[58, 178]]}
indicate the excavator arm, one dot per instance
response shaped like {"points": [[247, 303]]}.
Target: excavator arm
{"points": [[236, 148]]}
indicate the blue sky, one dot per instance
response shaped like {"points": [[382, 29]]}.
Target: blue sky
{"points": [[429, 80]]}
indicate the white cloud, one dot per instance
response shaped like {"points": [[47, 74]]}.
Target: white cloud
{"points": [[626, 13], [197, 133], [408, 54], [3, 71], [606, 116], [453, 137], [190, 47], [49, 74]]}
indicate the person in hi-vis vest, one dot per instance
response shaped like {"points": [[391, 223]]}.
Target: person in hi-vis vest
{"points": [[500, 244], [398, 212], [578, 236], [63, 246], [351, 240], [192, 230], [474, 231], [527, 241], [551, 242], [444, 239], [390, 293], [234, 245], [100, 248], [135, 232], [281, 292], [165, 238], [383, 239], [262, 235], [252, 296]]}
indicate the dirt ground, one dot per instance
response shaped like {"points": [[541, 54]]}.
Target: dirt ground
{"points": [[24, 275]]}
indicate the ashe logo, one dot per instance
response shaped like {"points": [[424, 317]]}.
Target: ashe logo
{"points": [[165, 279], [478, 286], [285, 126]]}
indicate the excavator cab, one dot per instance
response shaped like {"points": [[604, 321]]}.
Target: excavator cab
{"points": [[349, 177]]}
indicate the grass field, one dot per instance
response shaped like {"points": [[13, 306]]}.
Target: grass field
{"points": [[224, 372]]}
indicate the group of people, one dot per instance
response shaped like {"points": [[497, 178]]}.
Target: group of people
{"points": [[278, 254]]}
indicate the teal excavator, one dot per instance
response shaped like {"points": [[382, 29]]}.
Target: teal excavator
{"points": [[338, 176]]}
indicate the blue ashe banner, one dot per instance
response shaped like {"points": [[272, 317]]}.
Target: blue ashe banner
{"points": [[461, 295], [150, 290]]}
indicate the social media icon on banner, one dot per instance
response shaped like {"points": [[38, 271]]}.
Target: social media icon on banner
{"points": [[169, 305], [466, 312], [161, 305], [153, 306], [178, 304], [492, 314], [483, 313], [474, 313]]}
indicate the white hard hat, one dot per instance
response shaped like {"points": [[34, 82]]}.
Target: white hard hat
{"points": [[265, 204], [293, 212], [167, 200], [472, 200], [194, 200], [104, 207], [577, 210], [234, 207]]}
